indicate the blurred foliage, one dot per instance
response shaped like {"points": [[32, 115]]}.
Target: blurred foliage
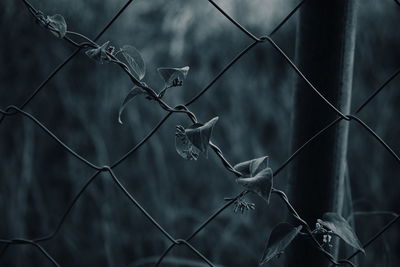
{"points": [[253, 101]]}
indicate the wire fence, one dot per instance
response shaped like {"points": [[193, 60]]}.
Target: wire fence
{"points": [[13, 110]]}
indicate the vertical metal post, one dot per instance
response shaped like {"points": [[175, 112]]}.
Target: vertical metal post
{"points": [[324, 53]]}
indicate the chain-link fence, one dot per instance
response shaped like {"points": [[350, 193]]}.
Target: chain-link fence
{"points": [[86, 43]]}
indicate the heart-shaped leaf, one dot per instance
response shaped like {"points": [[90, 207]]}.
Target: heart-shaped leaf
{"points": [[99, 54], [57, 25], [135, 61], [173, 76], [340, 227], [253, 166], [281, 237], [261, 183], [200, 135], [132, 93], [183, 146], [190, 142]]}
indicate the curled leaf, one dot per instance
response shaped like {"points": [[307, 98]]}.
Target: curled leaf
{"points": [[200, 135], [190, 142], [183, 146], [261, 183], [132, 93], [340, 227], [253, 166], [100, 53], [135, 61], [173, 76], [281, 237], [57, 25]]}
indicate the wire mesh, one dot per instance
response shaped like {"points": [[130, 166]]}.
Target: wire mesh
{"points": [[13, 110]]}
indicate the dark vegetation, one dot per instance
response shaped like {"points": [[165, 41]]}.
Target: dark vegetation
{"points": [[253, 101]]}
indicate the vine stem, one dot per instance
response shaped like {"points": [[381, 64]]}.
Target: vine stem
{"points": [[295, 215], [185, 110]]}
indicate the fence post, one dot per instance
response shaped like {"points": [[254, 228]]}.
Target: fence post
{"points": [[325, 54]]}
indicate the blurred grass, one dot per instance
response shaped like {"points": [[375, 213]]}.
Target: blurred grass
{"points": [[253, 101]]}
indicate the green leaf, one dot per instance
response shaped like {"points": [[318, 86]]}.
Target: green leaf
{"points": [[99, 54], [253, 166], [57, 25], [132, 93], [340, 227], [135, 61], [173, 76], [200, 135], [281, 237], [261, 183], [183, 146]]}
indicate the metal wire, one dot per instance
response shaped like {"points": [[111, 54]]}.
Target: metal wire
{"points": [[13, 110]]}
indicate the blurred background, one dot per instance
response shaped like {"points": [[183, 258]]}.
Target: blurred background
{"points": [[38, 179]]}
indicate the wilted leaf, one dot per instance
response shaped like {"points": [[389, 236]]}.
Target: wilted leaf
{"points": [[134, 92], [57, 25], [173, 76], [200, 135], [183, 146], [340, 227], [261, 183], [281, 237], [99, 54], [253, 166], [135, 61]]}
